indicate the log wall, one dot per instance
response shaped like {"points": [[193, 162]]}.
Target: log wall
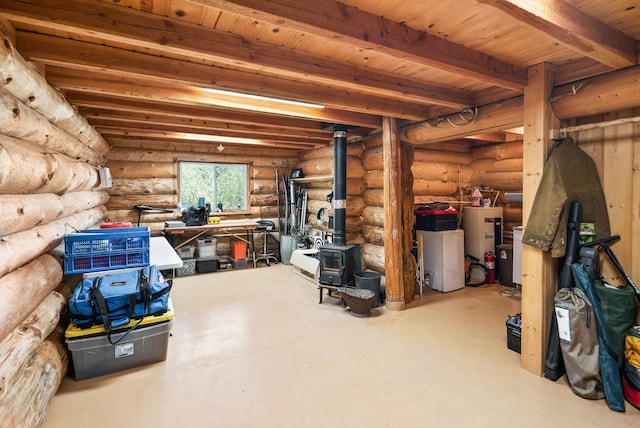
{"points": [[499, 167], [373, 214], [441, 172], [49, 187]]}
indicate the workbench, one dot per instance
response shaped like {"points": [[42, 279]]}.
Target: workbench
{"points": [[234, 228]]}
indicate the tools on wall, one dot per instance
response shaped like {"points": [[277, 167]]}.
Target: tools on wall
{"points": [[295, 204]]}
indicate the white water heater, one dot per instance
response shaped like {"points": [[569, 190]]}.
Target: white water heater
{"points": [[482, 230]]}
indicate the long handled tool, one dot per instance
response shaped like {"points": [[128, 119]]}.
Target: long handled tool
{"points": [[286, 204], [278, 198], [292, 203], [303, 216]]}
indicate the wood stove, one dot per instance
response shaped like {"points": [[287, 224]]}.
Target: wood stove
{"points": [[337, 260], [337, 263]]}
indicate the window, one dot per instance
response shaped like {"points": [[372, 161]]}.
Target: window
{"points": [[219, 184]]}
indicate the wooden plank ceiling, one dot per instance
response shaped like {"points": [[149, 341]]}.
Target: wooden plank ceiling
{"points": [[139, 69]]}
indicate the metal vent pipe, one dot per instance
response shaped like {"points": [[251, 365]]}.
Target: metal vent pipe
{"points": [[339, 185]]}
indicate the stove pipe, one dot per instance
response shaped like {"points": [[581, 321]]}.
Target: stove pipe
{"points": [[339, 185]]}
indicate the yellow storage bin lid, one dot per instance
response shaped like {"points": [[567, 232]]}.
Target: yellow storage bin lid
{"points": [[74, 332]]}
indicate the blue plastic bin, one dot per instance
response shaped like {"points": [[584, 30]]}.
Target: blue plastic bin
{"points": [[94, 250]]}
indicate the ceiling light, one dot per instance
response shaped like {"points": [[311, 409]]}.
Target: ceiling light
{"points": [[262, 98]]}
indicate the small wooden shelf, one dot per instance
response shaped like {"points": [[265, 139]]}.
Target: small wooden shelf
{"points": [[312, 179]]}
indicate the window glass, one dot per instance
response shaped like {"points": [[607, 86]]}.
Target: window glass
{"points": [[221, 185]]}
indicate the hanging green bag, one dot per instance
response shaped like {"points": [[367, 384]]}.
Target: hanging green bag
{"points": [[618, 313]]}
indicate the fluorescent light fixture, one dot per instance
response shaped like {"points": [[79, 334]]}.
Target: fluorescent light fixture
{"points": [[261, 98], [519, 130]]}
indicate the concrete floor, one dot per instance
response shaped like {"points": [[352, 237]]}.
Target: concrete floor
{"points": [[253, 348]]}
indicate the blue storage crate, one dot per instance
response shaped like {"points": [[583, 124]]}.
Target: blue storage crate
{"points": [[96, 241], [105, 249]]}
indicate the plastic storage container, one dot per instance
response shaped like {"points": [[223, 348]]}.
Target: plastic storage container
{"points": [[206, 248], [207, 265], [93, 355], [96, 250], [436, 220], [238, 249], [188, 268], [186, 252]]}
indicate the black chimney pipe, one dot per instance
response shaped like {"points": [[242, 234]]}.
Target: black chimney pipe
{"points": [[340, 185]]}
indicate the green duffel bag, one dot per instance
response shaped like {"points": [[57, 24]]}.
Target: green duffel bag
{"points": [[618, 310]]}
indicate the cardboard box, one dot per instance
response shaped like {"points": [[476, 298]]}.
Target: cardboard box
{"points": [[93, 355]]}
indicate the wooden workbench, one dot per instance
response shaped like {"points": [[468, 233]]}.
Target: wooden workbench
{"points": [[226, 227]]}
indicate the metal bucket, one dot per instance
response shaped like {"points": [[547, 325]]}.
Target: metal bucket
{"points": [[359, 300], [369, 280], [287, 245]]}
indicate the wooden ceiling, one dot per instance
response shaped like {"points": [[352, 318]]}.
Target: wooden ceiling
{"points": [[138, 69]]}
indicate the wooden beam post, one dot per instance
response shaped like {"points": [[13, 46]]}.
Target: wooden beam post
{"points": [[393, 241], [539, 279], [407, 221]]}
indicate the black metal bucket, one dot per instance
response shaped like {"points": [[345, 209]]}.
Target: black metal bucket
{"points": [[359, 300], [369, 280]]}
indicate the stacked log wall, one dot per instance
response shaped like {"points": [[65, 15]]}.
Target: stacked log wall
{"points": [[499, 167], [441, 172], [146, 177], [49, 187], [316, 166], [373, 213]]}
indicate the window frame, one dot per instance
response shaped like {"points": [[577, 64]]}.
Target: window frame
{"points": [[247, 193]]}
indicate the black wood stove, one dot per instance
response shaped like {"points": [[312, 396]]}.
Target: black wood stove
{"points": [[337, 260], [337, 265]]}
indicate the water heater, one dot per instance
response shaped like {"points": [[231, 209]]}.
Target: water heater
{"points": [[482, 230]]}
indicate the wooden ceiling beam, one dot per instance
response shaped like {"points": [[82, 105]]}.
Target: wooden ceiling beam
{"points": [[343, 101], [108, 131], [89, 56], [493, 137], [338, 21], [87, 101], [102, 116], [180, 94], [145, 31], [190, 150], [573, 28], [170, 127]]}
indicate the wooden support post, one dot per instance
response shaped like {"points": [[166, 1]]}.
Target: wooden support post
{"points": [[539, 279], [407, 220], [393, 241]]}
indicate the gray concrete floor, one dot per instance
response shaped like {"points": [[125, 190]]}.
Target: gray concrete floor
{"points": [[253, 348]]}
